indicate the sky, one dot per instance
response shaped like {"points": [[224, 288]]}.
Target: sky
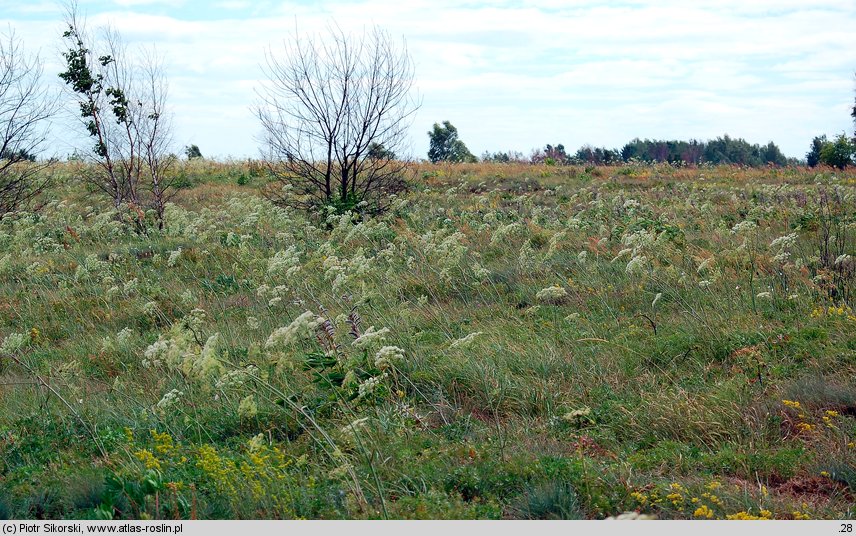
{"points": [[510, 75]]}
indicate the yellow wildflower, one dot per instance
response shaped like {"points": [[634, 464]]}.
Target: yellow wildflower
{"points": [[163, 442], [676, 498], [703, 511], [742, 516], [148, 459], [641, 498], [712, 498]]}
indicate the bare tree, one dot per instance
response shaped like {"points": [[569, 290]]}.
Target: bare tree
{"points": [[25, 108], [122, 102], [155, 130], [335, 115]]}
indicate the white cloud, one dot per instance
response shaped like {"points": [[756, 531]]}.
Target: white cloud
{"points": [[522, 74]]}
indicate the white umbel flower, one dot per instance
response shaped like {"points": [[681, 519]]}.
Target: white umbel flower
{"points": [[370, 337], [388, 356], [248, 408], [173, 258], [551, 294], [465, 342], [12, 343], [301, 327], [170, 399], [744, 227]]}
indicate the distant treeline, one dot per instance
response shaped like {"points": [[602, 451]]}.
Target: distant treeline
{"points": [[722, 150]]}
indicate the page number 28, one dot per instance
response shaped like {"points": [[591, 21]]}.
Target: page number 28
{"points": [[846, 527]]}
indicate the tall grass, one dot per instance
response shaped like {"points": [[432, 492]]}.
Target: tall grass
{"points": [[508, 341]]}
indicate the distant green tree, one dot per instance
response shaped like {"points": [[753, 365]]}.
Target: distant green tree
{"points": [[504, 157], [17, 155], [722, 150], [839, 153], [728, 150], [812, 157], [445, 145], [771, 154], [599, 156], [673, 151], [631, 150], [192, 151], [495, 158], [555, 155], [378, 152]]}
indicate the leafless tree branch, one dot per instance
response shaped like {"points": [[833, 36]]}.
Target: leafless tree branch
{"points": [[26, 107], [335, 113]]}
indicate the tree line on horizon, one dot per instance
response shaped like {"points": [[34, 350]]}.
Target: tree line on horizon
{"points": [[722, 150], [838, 153]]}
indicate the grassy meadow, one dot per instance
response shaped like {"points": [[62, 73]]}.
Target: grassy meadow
{"points": [[508, 341]]}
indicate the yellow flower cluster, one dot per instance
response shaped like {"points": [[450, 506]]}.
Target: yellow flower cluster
{"points": [[828, 417], [712, 498], [148, 459], [677, 500], [805, 425], [220, 471], [641, 498], [704, 512], [746, 516], [707, 505], [263, 471], [163, 442], [833, 311]]}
